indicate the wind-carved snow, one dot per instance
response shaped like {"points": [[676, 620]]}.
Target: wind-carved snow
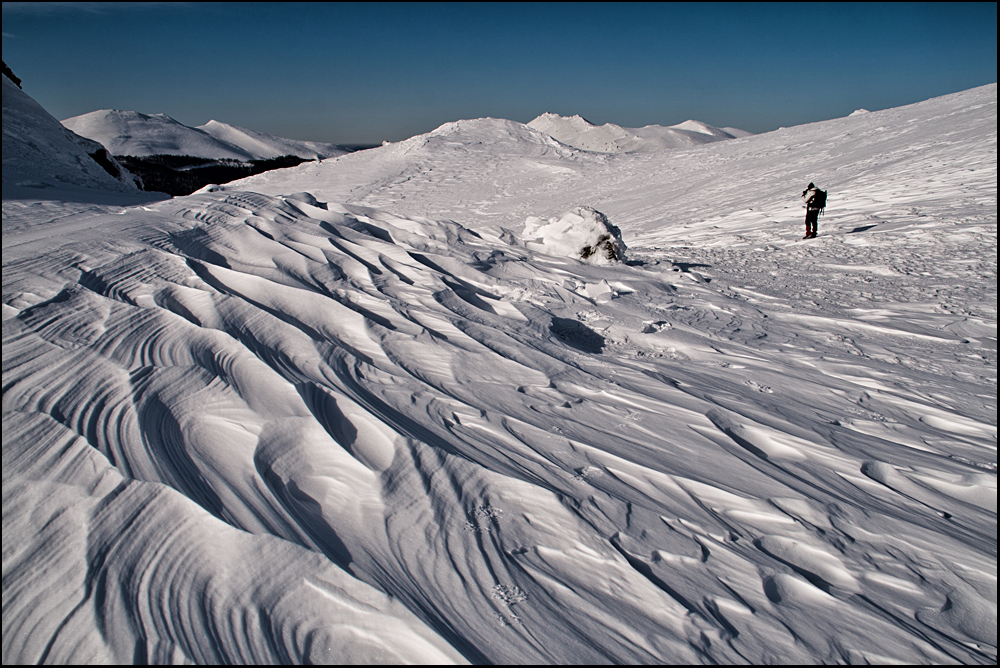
{"points": [[346, 413]]}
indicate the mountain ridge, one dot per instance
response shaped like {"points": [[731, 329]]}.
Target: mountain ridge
{"points": [[580, 133], [136, 134]]}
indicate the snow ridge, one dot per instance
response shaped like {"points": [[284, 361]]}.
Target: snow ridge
{"points": [[610, 138]]}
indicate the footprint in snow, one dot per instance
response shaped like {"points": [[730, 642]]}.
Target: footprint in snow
{"points": [[867, 414], [503, 621], [988, 466], [482, 518], [586, 472], [654, 327], [509, 595], [757, 386]]}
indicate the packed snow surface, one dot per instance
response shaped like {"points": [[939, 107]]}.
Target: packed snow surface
{"points": [[580, 133], [348, 412], [135, 134]]}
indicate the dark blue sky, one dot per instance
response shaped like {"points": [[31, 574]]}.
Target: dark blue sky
{"points": [[361, 73]]}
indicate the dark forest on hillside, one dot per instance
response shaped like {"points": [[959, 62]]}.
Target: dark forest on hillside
{"points": [[183, 174]]}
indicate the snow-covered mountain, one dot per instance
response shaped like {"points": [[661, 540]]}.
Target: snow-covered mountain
{"points": [[132, 133], [264, 146], [610, 138], [373, 409], [40, 153], [135, 134]]}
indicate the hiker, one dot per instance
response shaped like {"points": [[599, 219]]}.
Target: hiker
{"points": [[815, 200]]}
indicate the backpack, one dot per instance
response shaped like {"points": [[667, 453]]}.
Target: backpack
{"points": [[819, 201]]}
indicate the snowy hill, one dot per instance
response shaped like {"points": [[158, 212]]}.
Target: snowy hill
{"points": [[132, 133], [263, 146], [610, 138], [367, 410], [40, 153], [879, 167], [135, 134]]}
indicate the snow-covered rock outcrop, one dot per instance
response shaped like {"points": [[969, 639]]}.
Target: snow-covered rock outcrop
{"points": [[584, 233]]}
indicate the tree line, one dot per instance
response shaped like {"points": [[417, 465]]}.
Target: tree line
{"points": [[180, 175]]}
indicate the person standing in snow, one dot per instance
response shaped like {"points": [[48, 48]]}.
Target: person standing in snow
{"points": [[815, 200]]}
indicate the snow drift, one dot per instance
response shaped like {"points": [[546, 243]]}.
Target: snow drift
{"points": [[339, 412]]}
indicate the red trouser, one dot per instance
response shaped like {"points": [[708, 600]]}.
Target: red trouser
{"points": [[812, 218]]}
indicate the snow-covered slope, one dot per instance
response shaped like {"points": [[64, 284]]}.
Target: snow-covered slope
{"points": [[610, 138], [347, 412], [132, 133], [263, 146], [39, 153]]}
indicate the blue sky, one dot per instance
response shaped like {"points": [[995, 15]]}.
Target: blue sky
{"points": [[362, 73]]}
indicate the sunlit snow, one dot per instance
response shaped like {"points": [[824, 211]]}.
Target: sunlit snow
{"points": [[582, 233], [355, 411], [578, 132], [135, 134]]}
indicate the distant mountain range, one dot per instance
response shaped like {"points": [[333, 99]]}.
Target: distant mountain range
{"points": [[176, 159], [117, 150], [134, 134], [580, 133]]}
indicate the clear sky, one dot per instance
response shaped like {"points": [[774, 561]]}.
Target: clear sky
{"points": [[362, 73]]}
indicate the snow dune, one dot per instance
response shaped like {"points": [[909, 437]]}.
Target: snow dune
{"points": [[346, 412]]}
